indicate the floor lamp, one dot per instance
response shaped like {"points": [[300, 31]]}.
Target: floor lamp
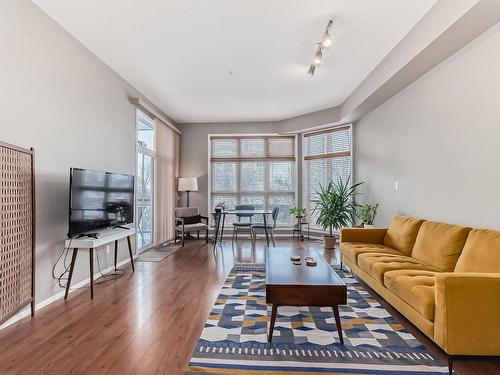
{"points": [[187, 184]]}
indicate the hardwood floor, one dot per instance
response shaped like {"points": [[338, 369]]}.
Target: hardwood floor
{"points": [[147, 322]]}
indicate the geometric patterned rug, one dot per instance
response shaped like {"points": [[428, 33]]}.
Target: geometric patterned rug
{"points": [[305, 340]]}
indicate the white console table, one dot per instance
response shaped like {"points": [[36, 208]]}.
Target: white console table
{"points": [[104, 237]]}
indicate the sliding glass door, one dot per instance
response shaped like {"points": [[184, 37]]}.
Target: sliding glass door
{"points": [[145, 181]]}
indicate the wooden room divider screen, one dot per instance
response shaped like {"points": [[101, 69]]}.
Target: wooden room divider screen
{"points": [[17, 230]]}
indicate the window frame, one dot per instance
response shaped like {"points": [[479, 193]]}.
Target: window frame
{"points": [[266, 193], [140, 149], [325, 156]]}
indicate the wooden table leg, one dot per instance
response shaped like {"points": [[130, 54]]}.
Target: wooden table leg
{"points": [[271, 327], [71, 268], [116, 252], [130, 253], [91, 262], [337, 322], [265, 229]]}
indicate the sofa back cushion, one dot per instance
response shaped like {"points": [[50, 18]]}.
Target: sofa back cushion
{"points": [[402, 233], [481, 252], [440, 244]]}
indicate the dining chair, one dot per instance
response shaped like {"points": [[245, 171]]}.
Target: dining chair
{"points": [[270, 227], [243, 225]]}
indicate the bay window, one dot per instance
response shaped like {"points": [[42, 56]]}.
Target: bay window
{"points": [[327, 156], [256, 170]]}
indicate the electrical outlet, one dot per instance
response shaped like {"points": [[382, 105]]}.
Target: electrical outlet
{"points": [[396, 185]]}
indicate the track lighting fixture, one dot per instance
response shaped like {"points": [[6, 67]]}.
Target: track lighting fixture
{"points": [[317, 58], [311, 70], [326, 41]]}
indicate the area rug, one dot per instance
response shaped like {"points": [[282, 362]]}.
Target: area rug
{"points": [[157, 254], [305, 341]]}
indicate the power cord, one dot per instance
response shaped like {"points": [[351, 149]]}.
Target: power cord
{"points": [[62, 278], [115, 274]]}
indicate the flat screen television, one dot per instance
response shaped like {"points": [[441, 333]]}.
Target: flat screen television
{"points": [[99, 200]]}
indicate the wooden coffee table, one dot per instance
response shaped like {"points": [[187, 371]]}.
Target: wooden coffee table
{"points": [[301, 285]]}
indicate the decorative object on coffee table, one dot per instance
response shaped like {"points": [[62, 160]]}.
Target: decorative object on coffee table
{"points": [[311, 262], [336, 208]]}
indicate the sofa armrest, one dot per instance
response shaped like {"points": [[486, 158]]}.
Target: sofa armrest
{"points": [[366, 235], [467, 313]]}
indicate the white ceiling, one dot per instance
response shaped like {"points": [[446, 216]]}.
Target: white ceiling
{"points": [[179, 53]]}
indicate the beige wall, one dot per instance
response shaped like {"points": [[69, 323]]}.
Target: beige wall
{"points": [[59, 98], [440, 139]]}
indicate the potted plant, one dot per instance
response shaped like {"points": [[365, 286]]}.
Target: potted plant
{"points": [[299, 213], [367, 215], [336, 208]]}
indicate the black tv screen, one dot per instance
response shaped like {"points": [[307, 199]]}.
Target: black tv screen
{"points": [[99, 199]]}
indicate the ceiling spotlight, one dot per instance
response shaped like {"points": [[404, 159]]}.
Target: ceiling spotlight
{"points": [[317, 58], [311, 70], [326, 41]]}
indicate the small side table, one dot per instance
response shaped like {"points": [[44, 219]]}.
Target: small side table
{"points": [[298, 229]]}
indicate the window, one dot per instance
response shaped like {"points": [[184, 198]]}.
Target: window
{"points": [[327, 156], [145, 180], [257, 170]]}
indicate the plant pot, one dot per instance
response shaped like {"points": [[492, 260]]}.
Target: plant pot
{"points": [[368, 226], [329, 242]]}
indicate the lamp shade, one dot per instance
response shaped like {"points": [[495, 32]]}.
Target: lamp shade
{"points": [[187, 184]]}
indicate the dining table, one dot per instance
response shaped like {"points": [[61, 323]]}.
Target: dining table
{"points": [[220, 216]]}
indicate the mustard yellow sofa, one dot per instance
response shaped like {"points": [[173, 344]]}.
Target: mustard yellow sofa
{"points": [[443, 278]]}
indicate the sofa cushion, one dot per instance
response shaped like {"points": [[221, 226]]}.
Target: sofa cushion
{"points": [[377, 264], [440, 244], [402, 233], [353, 249], [481, 252], [415, 287]]}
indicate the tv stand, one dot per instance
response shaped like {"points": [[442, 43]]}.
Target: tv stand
{"points": [[91, 242], [90, 235]]}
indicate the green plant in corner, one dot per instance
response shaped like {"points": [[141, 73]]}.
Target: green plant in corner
{"points": [[336, 207], [368, 213]]}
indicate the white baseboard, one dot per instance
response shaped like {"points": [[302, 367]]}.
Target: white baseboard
{"points": [[27, 311]]}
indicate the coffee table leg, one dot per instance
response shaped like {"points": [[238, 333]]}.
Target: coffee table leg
{"points": [[271, 327], [337, 322]]}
